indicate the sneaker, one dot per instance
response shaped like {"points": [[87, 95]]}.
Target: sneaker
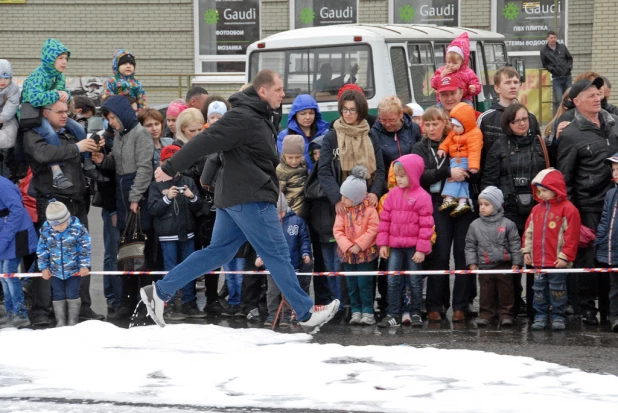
{"points": [[285, 321], [558, 325], [253, 315], [388, 321], [356, 319], [191, 311], [539, 324], [270, 320], [17, 321], [169, 314], [214, 308], [480, 322], [154, 305], [120, 313], [240, 312], [446, 205], [320, 317], [615, 326], [590, 318], [460, 210], [3, 319], [368, 319], [416, 321], [41, 320], [506, 322], [87, 313], [230, 311], [61, 182], [406, 320]]}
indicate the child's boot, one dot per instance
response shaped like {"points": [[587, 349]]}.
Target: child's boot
{"points": [[60, 311], [447, 204], [59, 180], [461, 209], [74, 307]]}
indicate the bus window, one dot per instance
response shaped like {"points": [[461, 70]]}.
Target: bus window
{"points": [[495, 57], [440, 52], [400, 74], [422, 68], [318, 71]]}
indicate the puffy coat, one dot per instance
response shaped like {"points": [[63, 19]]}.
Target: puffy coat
{"points": [[469, 144], [17, 235], [582, 149], [607, 231], [174, 218], [552, 229], [493, 240], [292, 183], [359, 226], [407, 218], [303, 102], [64, 253], [40, 88], [127, 86], [297, 236], [465, 75], [9, 96], [396, 144], [558, 62]]}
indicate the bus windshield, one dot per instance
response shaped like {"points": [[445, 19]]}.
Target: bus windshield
{"points": [[318, 71]]}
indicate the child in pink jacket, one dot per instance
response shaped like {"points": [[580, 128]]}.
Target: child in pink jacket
{"points": [[456, 64], [406, 227], [355, 233]]}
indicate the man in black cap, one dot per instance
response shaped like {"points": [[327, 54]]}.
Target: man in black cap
{"points": [[583, 146]]}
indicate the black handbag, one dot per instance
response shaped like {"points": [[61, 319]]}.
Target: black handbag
{"points": [[131, 252], [313, 190], [29, 116]]}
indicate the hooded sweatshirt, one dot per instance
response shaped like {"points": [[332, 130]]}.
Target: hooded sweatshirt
{"points": [[9, 96], [470, 143], [303, 102], [124, 85], [407, 218], [465, 75], [40, 88], [552, 229]]}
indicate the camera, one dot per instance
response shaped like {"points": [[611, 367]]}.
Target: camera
{"points": [[180, 189], [521, 181]]}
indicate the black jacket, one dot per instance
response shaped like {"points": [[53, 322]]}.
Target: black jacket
{"points": [[407, 136], [248, 140], [432, 174], [331, 183], [40, 154], [582, 149], [173, 218], [558, 62]]}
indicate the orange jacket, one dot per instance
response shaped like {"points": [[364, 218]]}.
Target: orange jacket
{"points": [[469, 144]]}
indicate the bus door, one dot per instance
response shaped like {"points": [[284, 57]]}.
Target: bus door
{"points": [[401, 76]]}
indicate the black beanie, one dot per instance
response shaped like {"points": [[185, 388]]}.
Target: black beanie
{"points": [[127, 58]]}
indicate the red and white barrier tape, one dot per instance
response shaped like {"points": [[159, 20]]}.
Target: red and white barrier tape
{"points": [[355, 273]]}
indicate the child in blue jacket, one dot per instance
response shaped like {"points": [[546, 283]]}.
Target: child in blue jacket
{"points": [[17, 239], [297, 236], [64, 257]]}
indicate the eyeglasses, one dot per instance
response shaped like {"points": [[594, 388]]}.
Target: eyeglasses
{"points": [[519, 121], [60, 112], [389, 121], [349, 110]]}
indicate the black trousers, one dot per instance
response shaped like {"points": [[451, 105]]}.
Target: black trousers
{"points": [[321, 290], [591, 286]]}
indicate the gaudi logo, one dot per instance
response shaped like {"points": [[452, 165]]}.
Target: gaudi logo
{"points": [[307, 15], [511, 11], [407, 13], [211, 16]]}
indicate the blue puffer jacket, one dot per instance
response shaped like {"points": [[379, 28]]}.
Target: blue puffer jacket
{"points": [[64, 253], [392, 149], [17, 235], [607, 232], [297, 236], [303, 102]]}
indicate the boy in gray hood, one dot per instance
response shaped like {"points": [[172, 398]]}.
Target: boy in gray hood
{"points": [[9, 102], [493, 242]]}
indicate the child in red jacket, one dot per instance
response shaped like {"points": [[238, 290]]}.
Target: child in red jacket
{"points": [[550, 240]]}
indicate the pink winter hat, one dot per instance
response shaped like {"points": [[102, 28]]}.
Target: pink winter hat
{"points": [[176, 107]]}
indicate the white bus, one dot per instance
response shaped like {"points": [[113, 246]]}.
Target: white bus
{"points": [[383, 59]]}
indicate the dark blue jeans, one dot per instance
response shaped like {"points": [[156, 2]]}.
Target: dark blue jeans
{"points": [[258, 223], [332, 263], [234, 281], [13, 294], [112, 284], [559, 86], [65, 289], [549, 290], [400, 259], [173, 253]]}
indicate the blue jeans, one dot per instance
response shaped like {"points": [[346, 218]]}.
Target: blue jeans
{"points": [[457, 189], [112, 284], [559, 86], [360, 288], [173, 253], [400, 259], [234, 281], [332, 264], [258, 223], [65, 289], [13, 293], [549, 289], [51, 137]]}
